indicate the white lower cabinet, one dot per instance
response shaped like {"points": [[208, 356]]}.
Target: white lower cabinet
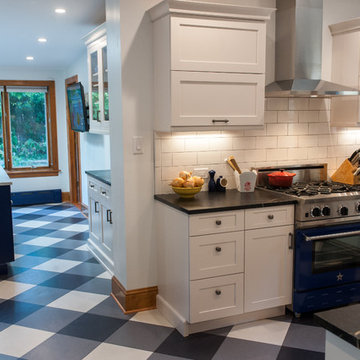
{"points": [[225, 264], [100, 222], [268, 267]]}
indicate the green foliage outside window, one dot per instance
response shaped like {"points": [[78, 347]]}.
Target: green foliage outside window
{"points": [[28, 129]]}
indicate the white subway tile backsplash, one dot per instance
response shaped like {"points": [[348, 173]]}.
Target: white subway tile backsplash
{"points": [[308, 116], [172, 145], [276, 154], [324, 116], [288, 116], [277, 104], [185, 158], [270, 117], [166, 159], [254, 155], [276, 129], [319, 104], [209, 157], [245, 142], [287, 141], [317, 152], [298, 104], [197, 144], [298, 129], [297, 154], [266, 142], [319, 128], [308, 140]]}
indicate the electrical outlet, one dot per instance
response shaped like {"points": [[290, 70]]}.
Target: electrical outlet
{"points": [[202, 172]]}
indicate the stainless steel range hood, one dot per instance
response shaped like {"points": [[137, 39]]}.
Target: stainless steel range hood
{"points": [[298, 52]]}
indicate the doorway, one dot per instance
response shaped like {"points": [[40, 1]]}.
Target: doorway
{"points": [[73, 153]]}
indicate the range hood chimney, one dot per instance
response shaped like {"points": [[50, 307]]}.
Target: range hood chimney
{"points": [[298, 52]]}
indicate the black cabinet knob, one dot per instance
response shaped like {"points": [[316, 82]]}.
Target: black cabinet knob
{"points": [[270, 216], [218, 292], [218, 222], [218, 249]]}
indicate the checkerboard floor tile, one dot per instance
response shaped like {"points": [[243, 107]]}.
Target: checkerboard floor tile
{"points": [[55, 304]]}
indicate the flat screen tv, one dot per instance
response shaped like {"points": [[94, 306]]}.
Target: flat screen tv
{"points": [[77, 107]]}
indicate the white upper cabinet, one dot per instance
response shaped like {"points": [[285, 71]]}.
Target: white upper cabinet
{"points": [[345, 110], [98, 81], [209, 65], [217, 45]]}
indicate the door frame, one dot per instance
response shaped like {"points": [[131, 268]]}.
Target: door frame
{"points": [[73, 153]]}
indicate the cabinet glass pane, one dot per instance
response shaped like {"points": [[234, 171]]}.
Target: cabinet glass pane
{"points": [[95, 86], [106, 86]]}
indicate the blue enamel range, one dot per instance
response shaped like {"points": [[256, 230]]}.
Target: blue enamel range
{"points": [[327, 238]]}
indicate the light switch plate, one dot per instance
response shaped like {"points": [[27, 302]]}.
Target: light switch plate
{"points": [[202, 172], [138, 145]]}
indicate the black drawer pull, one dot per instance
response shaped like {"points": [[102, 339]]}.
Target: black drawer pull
{"points": [[218, 222], [96, 207], [103, 192], [223, 121], [218, 292], [270, 217], [218, 249]]}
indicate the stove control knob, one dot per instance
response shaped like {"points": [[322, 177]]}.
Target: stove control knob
{"points": [[326, 211], [357, 207], [315, 211], [343, 210]]}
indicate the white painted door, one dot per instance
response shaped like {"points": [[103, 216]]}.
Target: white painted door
{"points": [[217, 45], [216, 99], [268, 268]]}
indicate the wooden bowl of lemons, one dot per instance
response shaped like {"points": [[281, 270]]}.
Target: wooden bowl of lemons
{"points": [[186, 185]]}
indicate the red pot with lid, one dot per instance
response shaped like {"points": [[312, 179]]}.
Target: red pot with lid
{"points": [[281, 178]]}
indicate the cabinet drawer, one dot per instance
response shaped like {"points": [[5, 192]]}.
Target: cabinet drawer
{"points": [[216, 297], [216, 99], [214, 255], [210, 223], [93, 186], [269, 216], [217, 45]]}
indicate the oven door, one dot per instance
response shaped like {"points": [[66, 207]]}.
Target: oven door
{"points": [[326, 256]]}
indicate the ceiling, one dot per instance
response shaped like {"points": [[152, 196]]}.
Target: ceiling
{"points": [[22, 22]]}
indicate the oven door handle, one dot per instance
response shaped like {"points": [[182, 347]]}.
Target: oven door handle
{"points": [[331, 236]]}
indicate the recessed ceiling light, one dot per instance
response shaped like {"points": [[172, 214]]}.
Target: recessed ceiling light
{"points": [[60, 11], [42, 40], [30, 58]]}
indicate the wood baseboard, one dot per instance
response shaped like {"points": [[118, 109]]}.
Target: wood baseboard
{"points": [[131, 301], [65, 196]]}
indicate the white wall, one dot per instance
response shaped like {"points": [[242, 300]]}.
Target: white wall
{"points": [[51, 182], [94, 148]]}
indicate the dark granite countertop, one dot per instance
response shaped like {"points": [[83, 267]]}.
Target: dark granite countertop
{"points": [[343, 322], [101, 175], [204, 202]]}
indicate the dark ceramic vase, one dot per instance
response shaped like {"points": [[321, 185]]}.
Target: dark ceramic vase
{"points": [[212, 185]]}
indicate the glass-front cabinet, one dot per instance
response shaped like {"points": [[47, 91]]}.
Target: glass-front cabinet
{"points": [[98, 81]]}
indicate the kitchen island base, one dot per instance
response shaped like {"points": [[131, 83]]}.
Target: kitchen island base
{"points": [[185, 328]]}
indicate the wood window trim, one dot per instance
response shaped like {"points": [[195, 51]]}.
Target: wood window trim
{"points": [[53, 168]]}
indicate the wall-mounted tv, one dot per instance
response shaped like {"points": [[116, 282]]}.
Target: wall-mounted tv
{"points": [[77, 107]]}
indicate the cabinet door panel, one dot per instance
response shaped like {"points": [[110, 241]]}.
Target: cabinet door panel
{"points": [[217, 45], [215, 99], [216, 297], [214, 255], [268, 268], [95, 219], [106, 230]]}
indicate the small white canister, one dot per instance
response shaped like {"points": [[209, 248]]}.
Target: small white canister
{"points": [[246, 181]]}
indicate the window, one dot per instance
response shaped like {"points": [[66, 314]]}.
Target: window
{"points": [[28, 141]]}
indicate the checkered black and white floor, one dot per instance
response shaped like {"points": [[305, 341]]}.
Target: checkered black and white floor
{"points": [[55, 304]]}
